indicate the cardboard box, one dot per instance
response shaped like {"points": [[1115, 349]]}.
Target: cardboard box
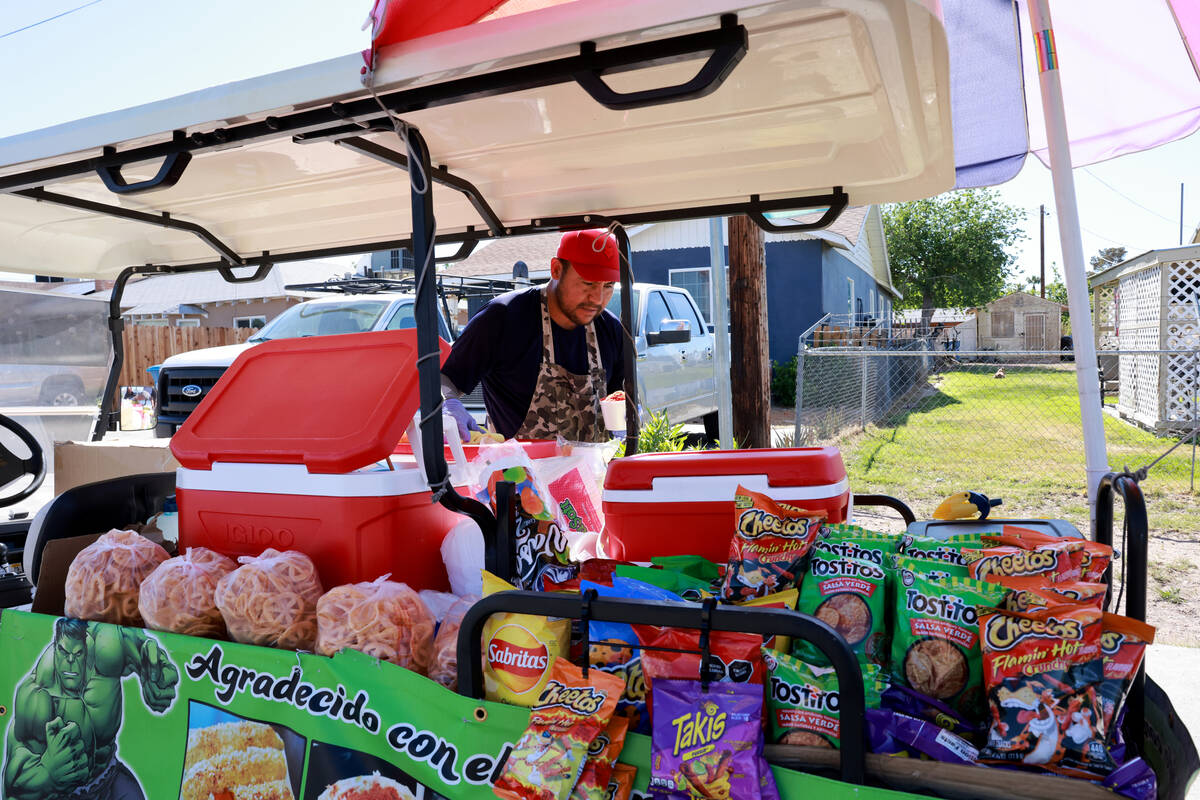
{"points": [[77, 463], [52, 577]]}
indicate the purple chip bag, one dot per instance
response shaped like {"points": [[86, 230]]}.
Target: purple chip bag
{"points": [[708, 743], [890, 733], [1133, 779], [904, 700]]}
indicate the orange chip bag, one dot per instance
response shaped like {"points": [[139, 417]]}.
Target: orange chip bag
{"points": [[518, 650], [1123, 644], [1025, 593], [602, 755], [1057, 561], [1095, 559], [620, 785], [569, 713], [770, 546]]}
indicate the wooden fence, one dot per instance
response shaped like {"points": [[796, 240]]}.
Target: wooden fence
{"points": [[147, 345]]}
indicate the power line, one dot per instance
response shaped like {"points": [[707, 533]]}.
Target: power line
{"points": [[49, 19], [1127, 197]]}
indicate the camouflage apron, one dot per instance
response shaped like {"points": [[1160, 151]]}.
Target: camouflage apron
{"points": [[565, 404]]}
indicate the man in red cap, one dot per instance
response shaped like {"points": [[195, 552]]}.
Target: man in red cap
{"points": [[545, 355]]}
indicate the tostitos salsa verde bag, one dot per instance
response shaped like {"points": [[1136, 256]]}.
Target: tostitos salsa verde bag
{"points": [[935, 642], [850, 596]]}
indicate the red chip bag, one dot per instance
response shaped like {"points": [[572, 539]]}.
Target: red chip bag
{"points": [[1057, 561], [602, 755], [1043, 671], [620, 785], [1037, 591], [770, 546], [733, 657], [568, 715], [1095, 560]]}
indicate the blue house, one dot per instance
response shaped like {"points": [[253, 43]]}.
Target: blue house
{"points": [[841, 270]]}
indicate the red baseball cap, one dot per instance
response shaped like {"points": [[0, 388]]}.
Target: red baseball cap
{"points": [[593, 254]]}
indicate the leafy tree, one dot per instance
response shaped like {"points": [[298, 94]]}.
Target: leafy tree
{"points": [[952, 250], [1056, 287], [1107, 257]]}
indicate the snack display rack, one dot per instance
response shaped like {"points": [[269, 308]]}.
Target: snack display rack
{"points": [[351, 703]]}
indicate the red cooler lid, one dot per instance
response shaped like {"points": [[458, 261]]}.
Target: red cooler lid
{"points": [[331, 403], [785, 466]]}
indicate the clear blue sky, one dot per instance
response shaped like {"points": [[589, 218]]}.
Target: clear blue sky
{"points": [[106, 54]]}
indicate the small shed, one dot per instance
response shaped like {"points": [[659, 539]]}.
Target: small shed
{"points": [[1020, 321], [1147, 309]]}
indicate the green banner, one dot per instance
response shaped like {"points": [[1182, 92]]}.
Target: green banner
{"points": [[90, 710]]}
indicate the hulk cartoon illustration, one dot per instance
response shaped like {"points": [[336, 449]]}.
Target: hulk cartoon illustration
{"points": [[62, 741]]}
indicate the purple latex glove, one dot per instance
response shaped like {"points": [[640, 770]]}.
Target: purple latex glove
{"points": [[466, 423]]}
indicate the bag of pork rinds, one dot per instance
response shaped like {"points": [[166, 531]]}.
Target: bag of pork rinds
{"points": [[381, 618], [566, 718], [444, 667], [178, 595], [271, 600], [1043, 672], [104, 580], [770, 546]]}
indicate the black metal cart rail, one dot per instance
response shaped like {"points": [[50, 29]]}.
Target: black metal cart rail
{"points": [[762, 621], [1135, 555]]}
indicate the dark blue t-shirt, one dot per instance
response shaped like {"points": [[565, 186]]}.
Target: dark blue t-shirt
{"points": [[502, 347]]}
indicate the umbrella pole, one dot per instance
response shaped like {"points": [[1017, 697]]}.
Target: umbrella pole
{"points": [[1087, 374]]}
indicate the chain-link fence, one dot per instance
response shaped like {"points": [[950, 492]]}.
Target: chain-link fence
{"points": [[917, 419]]}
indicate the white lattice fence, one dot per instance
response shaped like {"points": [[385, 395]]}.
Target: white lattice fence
{"points": [[1106, 317], [1182, 334], [1138, 318]]}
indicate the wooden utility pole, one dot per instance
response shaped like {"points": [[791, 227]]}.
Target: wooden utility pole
{"points": [[750, 367]]}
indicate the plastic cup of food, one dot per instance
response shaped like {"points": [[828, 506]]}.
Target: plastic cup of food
{"points": [[613, 408]]}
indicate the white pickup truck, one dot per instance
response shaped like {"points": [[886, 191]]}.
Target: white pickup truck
{"points": [[674, 351]]}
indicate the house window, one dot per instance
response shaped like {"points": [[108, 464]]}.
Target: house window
{"points": [[256, 321], [1002, 324], [153, 323], [698, 283], [187, 323]]}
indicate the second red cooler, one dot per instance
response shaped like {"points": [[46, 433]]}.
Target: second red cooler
{"points": [[290, 450], [658, 504]]}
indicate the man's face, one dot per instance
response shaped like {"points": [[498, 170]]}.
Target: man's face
{"points": [[69, 656], [579, 300]]}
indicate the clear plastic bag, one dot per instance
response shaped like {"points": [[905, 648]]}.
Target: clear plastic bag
{"points": [[271, 600], [381, 618], [178, 596], [104, 580], [444, 668], [463, 554]]}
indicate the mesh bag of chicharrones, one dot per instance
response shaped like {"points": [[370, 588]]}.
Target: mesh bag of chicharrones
{"points": [[1043, 671], [770, 546], [104, 580]]}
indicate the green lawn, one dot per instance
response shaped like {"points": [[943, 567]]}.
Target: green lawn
{"points": [[1018, 439]]}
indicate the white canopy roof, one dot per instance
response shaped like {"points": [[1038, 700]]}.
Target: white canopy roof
{"points": [[830, 93]]}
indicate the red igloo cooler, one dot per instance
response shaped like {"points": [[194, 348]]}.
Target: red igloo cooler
{"points": [[658, 504], [291, 450]]}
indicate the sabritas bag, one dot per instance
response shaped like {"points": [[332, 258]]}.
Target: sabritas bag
{"points": [[1042, 670], [518, 650], [935, 642], [770, 546]]}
